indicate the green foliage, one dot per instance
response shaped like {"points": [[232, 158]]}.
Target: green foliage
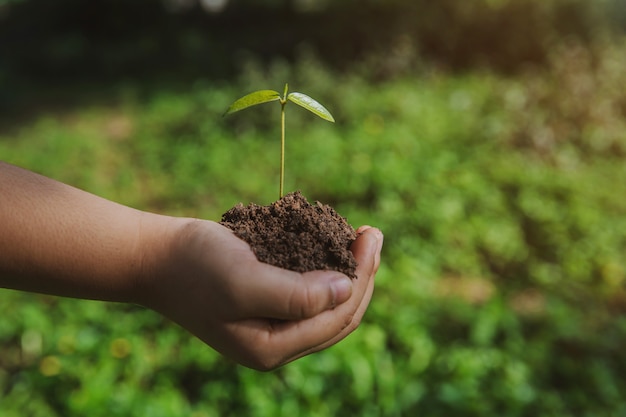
{"points": [[502, 290]]}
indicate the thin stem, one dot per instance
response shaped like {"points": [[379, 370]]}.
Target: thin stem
{"points": [[282, 148]]}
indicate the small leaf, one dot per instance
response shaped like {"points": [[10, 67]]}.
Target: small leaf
{"points": [[311, 105], [258, 97]]}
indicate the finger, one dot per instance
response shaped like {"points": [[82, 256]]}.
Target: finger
{"points": [[351, 326], [362, 253], [295, 301], [280, 343], [281, 294], [362, 250]]}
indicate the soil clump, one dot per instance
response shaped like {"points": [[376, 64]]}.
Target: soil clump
{"points": [[293, 234]]}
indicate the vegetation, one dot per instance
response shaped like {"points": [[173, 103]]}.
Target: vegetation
{"points": [[502, 290]]}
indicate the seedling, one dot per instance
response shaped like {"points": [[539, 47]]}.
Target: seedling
{"points": [[265, 96]]}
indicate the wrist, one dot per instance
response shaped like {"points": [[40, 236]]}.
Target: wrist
{"points": [[158, 248]]}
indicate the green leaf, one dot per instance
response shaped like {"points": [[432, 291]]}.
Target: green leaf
{"points": [[311, 105], [258, 97]]}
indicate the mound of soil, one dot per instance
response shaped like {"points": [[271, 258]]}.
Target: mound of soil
{"points": [[293, 234]]}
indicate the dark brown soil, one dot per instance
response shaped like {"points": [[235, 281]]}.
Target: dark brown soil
{"points": [[293, 234]]}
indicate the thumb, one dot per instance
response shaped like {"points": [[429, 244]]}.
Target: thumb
{"points": [[282, 294]]}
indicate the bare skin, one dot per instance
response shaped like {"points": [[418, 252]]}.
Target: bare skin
{"points": [[59, 240]]}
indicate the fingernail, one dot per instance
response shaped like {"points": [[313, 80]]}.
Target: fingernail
{"points": [[342, 289], [362, 229]]}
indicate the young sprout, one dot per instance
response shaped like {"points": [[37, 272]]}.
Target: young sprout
{"points": [[265, 96]]}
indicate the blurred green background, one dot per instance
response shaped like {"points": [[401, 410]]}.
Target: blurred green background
{"points": [[486, 138]]}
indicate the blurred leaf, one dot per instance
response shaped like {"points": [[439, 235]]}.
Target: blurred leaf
{"points": [[499, 226]]}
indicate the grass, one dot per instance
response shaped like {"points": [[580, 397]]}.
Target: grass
{"points": [[503, 270]]}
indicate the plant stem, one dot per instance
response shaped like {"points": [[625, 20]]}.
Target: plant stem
{"points": [[282, 148]]}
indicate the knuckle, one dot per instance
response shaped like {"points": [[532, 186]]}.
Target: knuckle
{"points": [[264, 364], [261, 357], [302, 302]]}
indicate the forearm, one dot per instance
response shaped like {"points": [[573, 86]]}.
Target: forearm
{"points": [[60, 240]]}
